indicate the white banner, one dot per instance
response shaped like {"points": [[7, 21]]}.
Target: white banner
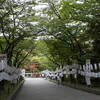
{"points": [[3, 61]]}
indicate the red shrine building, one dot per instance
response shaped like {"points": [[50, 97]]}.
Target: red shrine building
{"points": [[30, 68]]}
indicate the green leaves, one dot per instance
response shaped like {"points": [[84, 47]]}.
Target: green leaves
{"points": [[15, 26], [69, 24], [70, 29]]}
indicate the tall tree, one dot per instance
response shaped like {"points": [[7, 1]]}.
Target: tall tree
{"points": [[23, 51], [69, 21], [15, 24]]}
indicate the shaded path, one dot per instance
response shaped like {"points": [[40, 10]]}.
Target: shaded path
{"points": [[41, 89]]}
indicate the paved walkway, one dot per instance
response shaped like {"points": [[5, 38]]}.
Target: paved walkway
{"points": [[41, 89]]}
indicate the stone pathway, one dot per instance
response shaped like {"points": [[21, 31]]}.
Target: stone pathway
{"points": [[41, 89]]}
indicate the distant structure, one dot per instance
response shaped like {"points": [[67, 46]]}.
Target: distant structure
{"points": [[31, 66]]}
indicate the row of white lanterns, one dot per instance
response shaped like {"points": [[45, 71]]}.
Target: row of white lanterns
{"points": [[7, 72]]}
